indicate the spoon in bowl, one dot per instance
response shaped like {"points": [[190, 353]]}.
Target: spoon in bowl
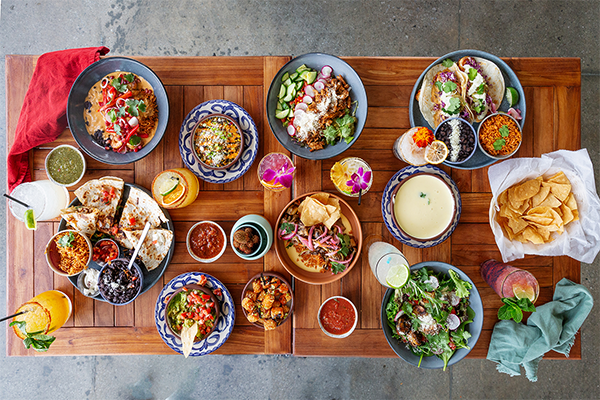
{"points": [[139, 245]]}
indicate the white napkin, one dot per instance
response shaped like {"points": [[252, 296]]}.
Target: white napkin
{"points": [[581, 239]]}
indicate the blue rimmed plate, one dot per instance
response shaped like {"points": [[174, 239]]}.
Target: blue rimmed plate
{"points": [[245, 122], [224, 324], [386, 201]]}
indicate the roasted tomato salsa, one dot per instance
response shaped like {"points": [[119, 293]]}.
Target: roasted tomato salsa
{"points": [[337, 316], [189, 307], [206, 241], [105, 251]]}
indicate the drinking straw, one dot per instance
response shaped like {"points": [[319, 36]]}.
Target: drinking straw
{"points": [[359, 196], [139, 245], [18, 201], [12, 316]]}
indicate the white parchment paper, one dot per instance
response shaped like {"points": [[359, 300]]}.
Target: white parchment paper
{"points": [[581, 239]]}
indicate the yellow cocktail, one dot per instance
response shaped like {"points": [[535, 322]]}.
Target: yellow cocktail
{"points": [[175, 188]]}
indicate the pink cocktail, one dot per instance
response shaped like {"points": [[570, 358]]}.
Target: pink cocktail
{"points": [[509, 281]]}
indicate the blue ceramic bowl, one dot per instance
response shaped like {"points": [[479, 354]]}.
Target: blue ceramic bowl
{"points": [[358, 93], [474, 328], [475, 136], [79, 91], [140, 274], [263, 227]]}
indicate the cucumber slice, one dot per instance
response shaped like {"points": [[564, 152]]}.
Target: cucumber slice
{"points": [[279, 106], [311, 77], [294, 76], [287, 82], [288, 97], [282, 114], [285, 77], [291, 90], [282, 91], [299, 84], [285, 105]]}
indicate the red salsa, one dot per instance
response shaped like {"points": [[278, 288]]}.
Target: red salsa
{"points": [[206, 240], [337, 316], [105, 251]]}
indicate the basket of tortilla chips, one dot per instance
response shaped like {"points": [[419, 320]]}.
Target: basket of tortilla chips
{"points": [[546, 206]]}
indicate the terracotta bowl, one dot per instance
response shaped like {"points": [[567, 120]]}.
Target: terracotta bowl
{"points": [[397, 225], [318, 278], [234, 122], [212, 297], [268, 274], [53, 257]]}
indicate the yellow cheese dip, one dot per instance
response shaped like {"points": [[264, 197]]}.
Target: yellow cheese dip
{"points": [[424, 206]]}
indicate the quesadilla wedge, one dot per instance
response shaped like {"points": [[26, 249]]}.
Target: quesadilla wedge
{"points": [[104, 194], [155, 246], [139, 209], [82, 219], [484, 86]]}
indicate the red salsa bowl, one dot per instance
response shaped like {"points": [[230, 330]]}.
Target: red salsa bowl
{"points": [[206, 241], [337, 317]]}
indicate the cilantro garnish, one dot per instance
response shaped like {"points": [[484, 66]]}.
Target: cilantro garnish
{"points": [[345, 242], [472, 73], [135, 106], [481, 89], [337, 268], [112, 114], [453, 107], [129, 78], [449, 87], [342, 128], [438, 84], [514, 308], [423, 195], [504, 130], [287, 228], [498, 144], [66, 240], [447, 63], [135, 140], [37, 340], [116, 83], [117, 129]]}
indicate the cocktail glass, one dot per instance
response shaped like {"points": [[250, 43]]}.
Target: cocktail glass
{"points": [[45, 197], [357, 175], [276, 172], [183, 195], [506, 279], [56, 308], [382, 256]]}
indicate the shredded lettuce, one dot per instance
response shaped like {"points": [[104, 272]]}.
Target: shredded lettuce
{"points": [[462, 287]]}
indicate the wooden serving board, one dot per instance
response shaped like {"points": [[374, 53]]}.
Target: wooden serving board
{"points": [[552, 88]]}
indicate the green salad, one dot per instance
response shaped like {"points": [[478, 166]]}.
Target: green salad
{"points": [[430, 313]]}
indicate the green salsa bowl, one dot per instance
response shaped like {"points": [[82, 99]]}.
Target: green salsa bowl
{"points": [[65, 165]]}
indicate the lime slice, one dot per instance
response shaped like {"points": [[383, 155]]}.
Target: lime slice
{"points": [[524, 292], [168, 185], [29, 219], [397, 276], [174, 195], [512, 96]]}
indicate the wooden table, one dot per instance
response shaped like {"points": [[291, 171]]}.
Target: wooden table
{"points": [[552, 89]]}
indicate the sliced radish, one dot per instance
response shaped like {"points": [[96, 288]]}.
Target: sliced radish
{"points": [[320, 76], [319, 86], [326, 71], [299, 113], [453, 322], [310, 91], [301, 106], [291, 130], [322, 80], [307, 99]]}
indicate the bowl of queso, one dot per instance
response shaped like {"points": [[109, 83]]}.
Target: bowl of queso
{"points": [[337, 317], [206, 241], [423, 206], [193, 304], [218, 141]]}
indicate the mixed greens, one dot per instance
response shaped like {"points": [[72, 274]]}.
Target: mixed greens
{"points": [[430, 313]]}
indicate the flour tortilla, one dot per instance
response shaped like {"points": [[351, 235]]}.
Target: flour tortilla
{"points": [[495, 82], [82, 219], [155, 246], [91, 194], [427, 97], [139, 209]]}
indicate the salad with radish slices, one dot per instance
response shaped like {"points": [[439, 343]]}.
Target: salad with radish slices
{"points": [[315, 107], [430, 313]]}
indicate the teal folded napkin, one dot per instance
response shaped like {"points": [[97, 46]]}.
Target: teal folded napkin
{"points": [[551, 327]]}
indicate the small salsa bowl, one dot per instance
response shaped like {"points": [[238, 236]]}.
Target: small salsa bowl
{"points": [[221, 119], [249, 289], [101, 247], [203, 289], [74, 152], [53, 257], [323, 311], [191, 243], [494, 118]]}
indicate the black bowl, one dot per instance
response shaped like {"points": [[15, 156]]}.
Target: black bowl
{"points": [[79, 91], [358, 93]]}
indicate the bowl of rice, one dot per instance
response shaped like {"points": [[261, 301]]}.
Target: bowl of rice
{"points": [[499, 135], [68, 253]]}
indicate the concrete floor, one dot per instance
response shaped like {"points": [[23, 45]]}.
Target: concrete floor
{"points": [[251, 27]]}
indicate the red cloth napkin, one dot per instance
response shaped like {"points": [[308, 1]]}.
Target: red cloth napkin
{"points": [[43, 115]]}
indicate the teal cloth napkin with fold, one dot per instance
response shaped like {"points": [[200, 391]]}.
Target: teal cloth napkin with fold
{"points": [[551, 327]]}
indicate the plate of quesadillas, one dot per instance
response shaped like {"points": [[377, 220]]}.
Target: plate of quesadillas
{"points": [[109, 207]]}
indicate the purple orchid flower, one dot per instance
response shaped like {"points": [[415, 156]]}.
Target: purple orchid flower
{"points": [[283, 176], [359, 180]]}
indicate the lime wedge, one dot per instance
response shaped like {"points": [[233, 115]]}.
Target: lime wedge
{"points": [[397, 276], [512, 96], [524, 292], [168, 185], [29, 219]]}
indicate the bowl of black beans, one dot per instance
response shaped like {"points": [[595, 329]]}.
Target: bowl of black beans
{"points": [[119, 285], [460, 138]]}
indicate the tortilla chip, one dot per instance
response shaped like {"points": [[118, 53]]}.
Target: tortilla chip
{"points": [[559, 178], [321, 197], [544, 233], [528, 189], [561, 191], [575, 215], [543, 221], [517, 224], [313, 212], [503, 198], [570, 202], [537, 199], [530, 234], [513, 201], [187, 339], [551, 201]]}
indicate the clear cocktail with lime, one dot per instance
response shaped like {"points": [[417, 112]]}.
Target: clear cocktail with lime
{"points": [[351, 176], [45, 199], [388, 264]]}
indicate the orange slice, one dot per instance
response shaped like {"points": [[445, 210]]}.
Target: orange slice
{"points": [[37, 319], [174, 196], [436, 152]]}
